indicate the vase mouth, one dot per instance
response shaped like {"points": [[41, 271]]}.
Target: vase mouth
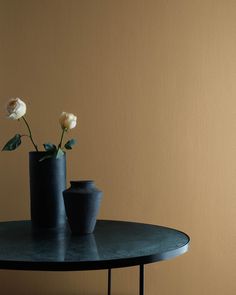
{"points": [[37, 156], [82, 183], [37, 152]]}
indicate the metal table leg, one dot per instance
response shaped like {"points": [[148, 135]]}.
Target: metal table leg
{"points": [[141, 279], [109, 282]]}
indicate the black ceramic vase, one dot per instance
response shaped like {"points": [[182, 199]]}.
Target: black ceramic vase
{"points": [[82, 202], [47, 182]]}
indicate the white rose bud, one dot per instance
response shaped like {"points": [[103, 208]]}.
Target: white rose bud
{"points": [[15, 108], [67, 120]]}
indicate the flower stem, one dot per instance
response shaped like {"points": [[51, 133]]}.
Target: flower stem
{"points": [[63, 132], [30, 134]]}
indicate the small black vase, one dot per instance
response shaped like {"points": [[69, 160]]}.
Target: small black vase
{"points": [[47, 182], [82, 202]]}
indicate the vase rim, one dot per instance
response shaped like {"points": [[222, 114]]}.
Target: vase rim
{"points": [[34, 155], [82, 181], [38, 152]]}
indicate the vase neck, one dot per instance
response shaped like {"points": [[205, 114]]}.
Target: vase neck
{"points": [[83, 184]]}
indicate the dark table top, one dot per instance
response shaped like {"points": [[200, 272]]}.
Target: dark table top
{"points": [[113, 244]]}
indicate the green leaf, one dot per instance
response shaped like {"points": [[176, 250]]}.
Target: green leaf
{"points": [[70, 143], [47, 156], [13, 143], [59, 154], [53, 153], [49, 147]]}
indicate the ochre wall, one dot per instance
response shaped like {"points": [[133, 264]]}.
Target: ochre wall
{"points": [[154, 86]]}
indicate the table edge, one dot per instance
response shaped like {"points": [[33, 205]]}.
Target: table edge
{"points": [[95, 265]]}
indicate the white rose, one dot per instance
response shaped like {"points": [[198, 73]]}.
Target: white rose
{"points": [[67, 120], [15, 108]]}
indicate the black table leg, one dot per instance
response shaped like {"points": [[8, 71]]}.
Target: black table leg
{"points": [[141, 279], [109, 282]]}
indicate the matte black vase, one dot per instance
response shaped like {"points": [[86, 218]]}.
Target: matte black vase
{"points": [[47, 182], [82, 203]]}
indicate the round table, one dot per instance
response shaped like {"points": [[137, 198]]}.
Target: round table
{"points": [[113, 244]]}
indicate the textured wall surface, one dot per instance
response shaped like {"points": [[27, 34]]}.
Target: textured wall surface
{"points": [[154, 86]]}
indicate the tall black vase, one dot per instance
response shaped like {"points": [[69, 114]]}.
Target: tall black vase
{"points": [[47, 182]]}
